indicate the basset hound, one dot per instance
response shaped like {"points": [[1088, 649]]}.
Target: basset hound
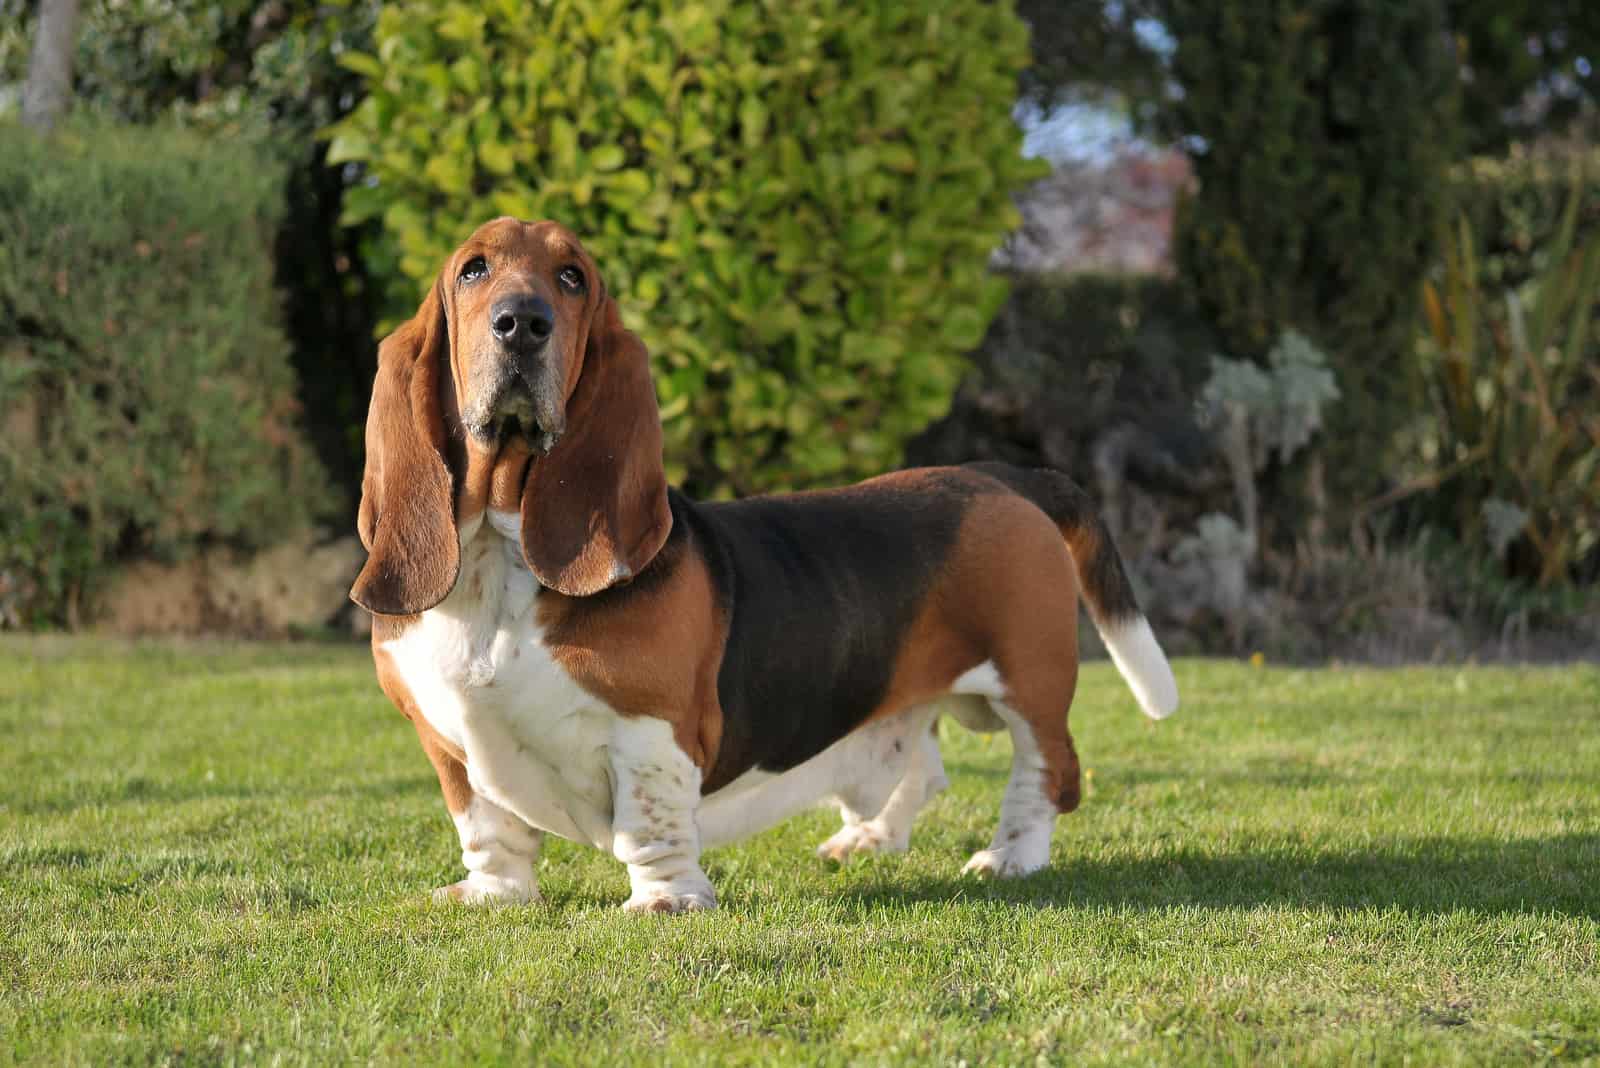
{"points": [[584, 651]]}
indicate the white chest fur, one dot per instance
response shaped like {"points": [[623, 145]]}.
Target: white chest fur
{"points": [[536, 743]]}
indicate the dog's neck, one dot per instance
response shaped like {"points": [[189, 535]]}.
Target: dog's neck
{"points": [[508, 524], [493, 477]]}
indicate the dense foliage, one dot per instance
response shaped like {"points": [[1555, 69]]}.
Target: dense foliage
{"points": [[146, 390], [1320, 153], [1516, 208], [772, 189], [1524, 69]]}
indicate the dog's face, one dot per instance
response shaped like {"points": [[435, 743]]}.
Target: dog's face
{"points": [[514, 386], [522, 297]]}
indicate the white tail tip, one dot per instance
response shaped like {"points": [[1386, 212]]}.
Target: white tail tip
{"points": [[1144, 666]]}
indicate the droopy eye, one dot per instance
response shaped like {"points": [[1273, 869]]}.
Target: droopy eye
{"points": [[571, 279], [475, 268]]}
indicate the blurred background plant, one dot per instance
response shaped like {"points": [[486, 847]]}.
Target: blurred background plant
{"points": [[1514, 378], [1261, 414], [265, 74], [148, 402], [1321, 134], [804, 210]]}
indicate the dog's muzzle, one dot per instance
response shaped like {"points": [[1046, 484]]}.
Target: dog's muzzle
{"points": [[517, 415]]}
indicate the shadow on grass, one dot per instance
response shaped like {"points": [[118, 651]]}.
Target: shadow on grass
{"points": [[142, 790], [1421, 875], [1275, 771]]}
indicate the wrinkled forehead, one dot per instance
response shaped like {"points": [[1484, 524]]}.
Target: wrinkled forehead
{"points": [[506, 238]]}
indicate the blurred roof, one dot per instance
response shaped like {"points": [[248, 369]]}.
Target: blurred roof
{"points": [[1109, 213]]}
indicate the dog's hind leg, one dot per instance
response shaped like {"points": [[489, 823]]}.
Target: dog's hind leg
{"points": [[1044, 768], [888, 828]]}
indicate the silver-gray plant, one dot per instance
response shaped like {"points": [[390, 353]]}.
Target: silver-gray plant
{"points": [[1261, 411]]}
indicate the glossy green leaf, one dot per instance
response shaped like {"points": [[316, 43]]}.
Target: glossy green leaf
{"points": [[607, 158], [497, 157], [362, 64]]}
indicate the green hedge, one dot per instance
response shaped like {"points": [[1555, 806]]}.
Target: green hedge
{"points": [[795, 200], [146, 395], [268, 73]]}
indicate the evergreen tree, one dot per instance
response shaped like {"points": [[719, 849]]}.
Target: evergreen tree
{"points": [[1321, 131]]}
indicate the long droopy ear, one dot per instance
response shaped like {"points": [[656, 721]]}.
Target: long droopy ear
{"points": [[407, 518], [594, 508]]}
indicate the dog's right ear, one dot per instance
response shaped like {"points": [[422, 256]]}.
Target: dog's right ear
{"points": [[407, 518]]}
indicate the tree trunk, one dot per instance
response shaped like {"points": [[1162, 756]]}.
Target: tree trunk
{"points": [[49, 85]]}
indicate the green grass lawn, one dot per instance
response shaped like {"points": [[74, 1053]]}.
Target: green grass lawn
{"points": [[221, 853]]}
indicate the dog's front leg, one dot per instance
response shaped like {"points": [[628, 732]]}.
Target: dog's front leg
{"points": [[499, 852], [656, 791], [498, 849]]}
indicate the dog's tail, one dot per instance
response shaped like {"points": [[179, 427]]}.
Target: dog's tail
{"points": [[1106, 589]]}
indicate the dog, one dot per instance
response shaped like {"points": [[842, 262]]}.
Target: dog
{"points": [[587, 652]]}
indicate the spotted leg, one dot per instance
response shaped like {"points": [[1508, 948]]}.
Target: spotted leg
{"points": [[499, 851], [656, 790], [889, 831]]}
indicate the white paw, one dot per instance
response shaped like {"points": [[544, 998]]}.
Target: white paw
{"points": [[672, 899], [859, 838], [1005, 863], [487, 890]]}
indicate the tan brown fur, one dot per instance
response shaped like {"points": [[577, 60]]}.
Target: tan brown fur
{"points": [[656, 655], [405, 517], [491, 478], [599, 495], [1008, 593]]}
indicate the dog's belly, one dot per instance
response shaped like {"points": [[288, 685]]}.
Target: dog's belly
{"points": [[548, 761], [865, 766], [539, 746]]}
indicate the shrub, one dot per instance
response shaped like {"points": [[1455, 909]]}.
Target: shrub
{"points": [[265, 72], [794, 200], [146, 394], [1072, 358], [1257, 413]]}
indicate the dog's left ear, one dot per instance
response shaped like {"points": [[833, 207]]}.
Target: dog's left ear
{"points": [[407, 518], [594, 508]]}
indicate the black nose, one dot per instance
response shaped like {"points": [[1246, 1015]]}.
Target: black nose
{"points": [[522, 318]]}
